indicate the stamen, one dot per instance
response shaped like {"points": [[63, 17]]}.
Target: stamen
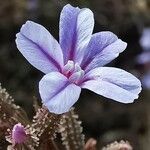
{"points": [[77, 68], [73, 72], [76, 77], [68, 68]]}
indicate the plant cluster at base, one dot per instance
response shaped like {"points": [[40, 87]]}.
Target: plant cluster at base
{"points": [[43, 131]]}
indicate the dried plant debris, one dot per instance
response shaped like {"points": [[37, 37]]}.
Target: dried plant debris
{"points": [[44, 126], [122, 145], [36, 105], [71, 131], [38, 135], [14, 125], [10, 113]]}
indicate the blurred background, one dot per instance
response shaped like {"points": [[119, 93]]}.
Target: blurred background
{"points": [[103, 119]]}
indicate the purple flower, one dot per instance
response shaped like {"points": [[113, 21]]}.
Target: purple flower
{"points": [[77, 61], [143, 58], [146, 80], [18, 134], [145, 39]]}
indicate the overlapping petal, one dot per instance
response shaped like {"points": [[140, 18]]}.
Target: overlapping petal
{"points": [[57, 93], [102, 49], [76, 27], [39, 47], [113, 83]]}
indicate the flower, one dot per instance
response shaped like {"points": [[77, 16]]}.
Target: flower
{"points": [[144, 57], [145, 79], [19, 134], [77, 61], [145, 39]]}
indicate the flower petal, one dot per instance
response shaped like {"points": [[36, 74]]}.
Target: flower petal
{"points": [[113, 83], [57, 93], [76, 27], [39, 47], [102, 49]]}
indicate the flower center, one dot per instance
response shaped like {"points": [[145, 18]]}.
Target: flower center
{"points": [[73, 72]]}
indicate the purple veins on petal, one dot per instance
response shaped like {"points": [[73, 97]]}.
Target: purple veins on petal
{"points": [[57, 93], [39, 47], [113, 83], [102, 49], [76, 27]]}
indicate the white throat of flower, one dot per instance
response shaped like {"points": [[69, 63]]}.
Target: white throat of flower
{"points": [[73, 72]]}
